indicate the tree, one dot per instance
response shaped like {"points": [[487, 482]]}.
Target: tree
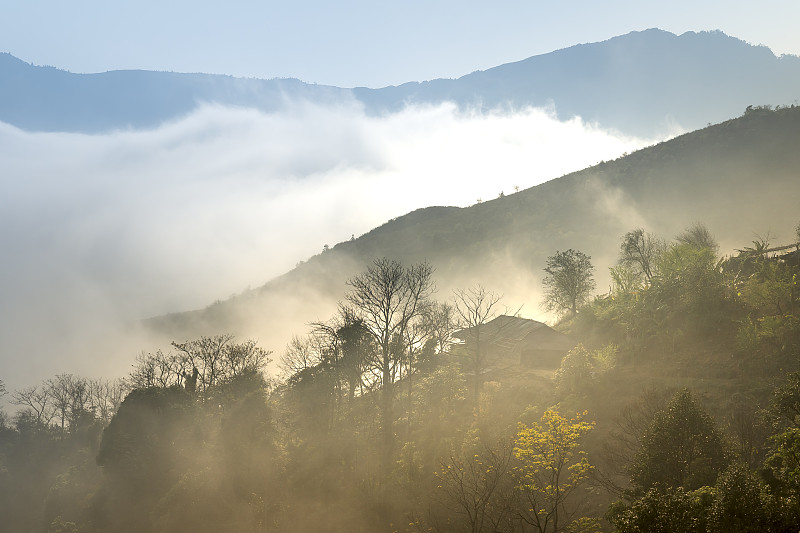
{"points": [[37, 402], [219, 359], [476, 487], [300, 355], [551, 467], [690, 287], [356, 346], [698, 236], [157, 369], [621, 447], [579, 368], [569, 281], [70, 396], [387, 297], [148, 446], [474, 307], [668, 510], [443, 323], [682, 447], [639, 251], [783, 457], [738, 504]]}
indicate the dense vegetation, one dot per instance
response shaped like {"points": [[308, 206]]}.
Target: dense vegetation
{"points": [[679, 410]]}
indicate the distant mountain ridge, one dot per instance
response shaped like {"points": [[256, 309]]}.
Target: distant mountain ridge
{"points": [[48, 99], [641, 83], [634, 83]]}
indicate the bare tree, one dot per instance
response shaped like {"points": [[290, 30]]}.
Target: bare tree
{"points": [[299, 355], [474, 307], [105, 396], [70, 397], [219, 359], [443, 323], [37, 401], [478, 488], [387, 297], [198, 364], [157, 369]]}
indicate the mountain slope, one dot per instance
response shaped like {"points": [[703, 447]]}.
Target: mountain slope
{"points": [[643, 83], [738, 177]]}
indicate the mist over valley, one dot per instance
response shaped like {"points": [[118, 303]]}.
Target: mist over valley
{"points": [[560, 294]]}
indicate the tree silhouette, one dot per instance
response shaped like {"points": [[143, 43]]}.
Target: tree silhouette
{"points": [[386, 298], [569, 281]]}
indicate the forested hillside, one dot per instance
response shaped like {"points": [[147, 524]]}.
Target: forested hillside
{"points": [[739, 178], [676, 410], [339, 397]]}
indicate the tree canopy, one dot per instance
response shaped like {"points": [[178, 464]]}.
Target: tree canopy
{"points": [[569, 281]]}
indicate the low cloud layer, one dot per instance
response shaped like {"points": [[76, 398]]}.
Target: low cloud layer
{"points": [[99, 231]]}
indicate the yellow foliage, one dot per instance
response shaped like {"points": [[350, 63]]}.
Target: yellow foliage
{"points": [[551, 463]]}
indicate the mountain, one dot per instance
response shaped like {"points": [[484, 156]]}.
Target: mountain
{"points": [[643, 83], [740, 178], [48, 99], [638, 83]]}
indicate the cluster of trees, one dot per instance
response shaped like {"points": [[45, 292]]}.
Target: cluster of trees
{"points": [[666, 296], [379, 421], [686, 475], [525, 484], [153, 451]]}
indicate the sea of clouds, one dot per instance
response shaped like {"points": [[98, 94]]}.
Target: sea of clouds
{"points": [[97, 231]]}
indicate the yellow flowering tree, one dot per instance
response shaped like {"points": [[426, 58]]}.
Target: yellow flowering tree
{"points": [[551, 466]]}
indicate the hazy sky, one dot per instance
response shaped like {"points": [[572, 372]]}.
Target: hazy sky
{"points": [[356, 42]]}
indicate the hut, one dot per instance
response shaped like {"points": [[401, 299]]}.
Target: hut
{"points": [[512, 340]]}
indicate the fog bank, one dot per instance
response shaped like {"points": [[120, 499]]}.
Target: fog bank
{"points": [[99, 231]]}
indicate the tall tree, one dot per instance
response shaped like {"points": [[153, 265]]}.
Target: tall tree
{"points": [[569, 281], [387, 297], [474, 307], [682, 447], [357, 347]]}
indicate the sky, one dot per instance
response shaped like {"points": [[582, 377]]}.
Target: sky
{"points": [[98, 231], [356, 42]]}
